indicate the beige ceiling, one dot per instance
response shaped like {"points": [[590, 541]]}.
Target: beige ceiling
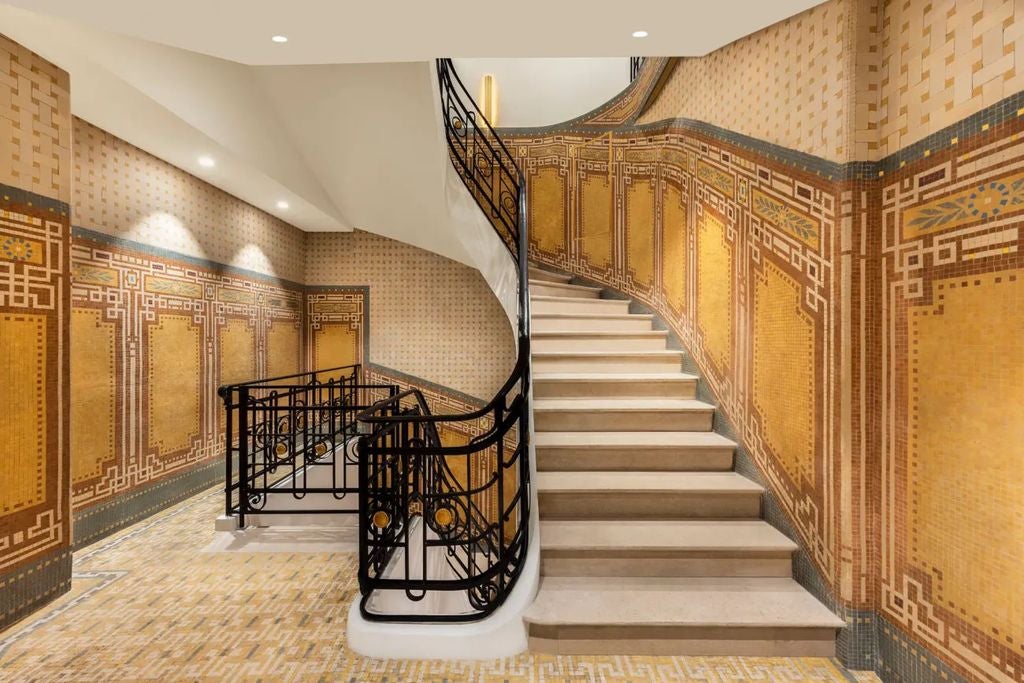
{"points": [[343, 31]]}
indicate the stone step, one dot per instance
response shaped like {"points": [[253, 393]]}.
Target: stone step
{"points": [[608, 361], [647, 495], [679, 616], [664, 548], [633, 451], [576, 340], [614, 385], [621, 415], [590, 322], [564, 304], [535, 273], [548, 288]]}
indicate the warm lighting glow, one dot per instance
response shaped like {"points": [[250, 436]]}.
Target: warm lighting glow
{"points": [[282, 204], [639, 34], [279, 39], [489, 98], [207, 162]]}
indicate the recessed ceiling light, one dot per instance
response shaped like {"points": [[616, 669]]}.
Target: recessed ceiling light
{"points": [[207, 162], [282, 204], [639, 34], [279, 39]]}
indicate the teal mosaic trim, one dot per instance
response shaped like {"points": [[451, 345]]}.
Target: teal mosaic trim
{"points": [[160, 252], [28, 587], [15, 195]]}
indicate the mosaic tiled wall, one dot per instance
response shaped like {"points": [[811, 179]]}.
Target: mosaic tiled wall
{"points": [[35, 181], [152, 339], [857, 322], [431, 317]]}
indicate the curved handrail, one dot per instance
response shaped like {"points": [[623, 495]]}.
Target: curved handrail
{"points": [[405, 471]]}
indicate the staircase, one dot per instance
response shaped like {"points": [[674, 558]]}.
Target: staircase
{"points": [[650, 543]]}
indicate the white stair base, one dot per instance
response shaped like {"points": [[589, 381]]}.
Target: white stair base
{"points": [[608, 361], [633, 451], [626, 415], [593, 322], [614, 385], [557, 304], [572, 340]]}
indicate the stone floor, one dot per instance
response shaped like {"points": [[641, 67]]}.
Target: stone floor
{"points": [[153, 603]]}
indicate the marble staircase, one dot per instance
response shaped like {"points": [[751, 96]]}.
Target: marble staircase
{"points": [[650, 542]]}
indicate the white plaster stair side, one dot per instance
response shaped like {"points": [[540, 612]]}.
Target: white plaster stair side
{"points": [[651, 544]]}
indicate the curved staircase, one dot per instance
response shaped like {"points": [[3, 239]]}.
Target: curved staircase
{"points": [[650, 543]]}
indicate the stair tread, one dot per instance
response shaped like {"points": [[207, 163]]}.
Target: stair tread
{"points": [[646, 482], [577, 299], [603, 316], [613, 376], [663, 535], [600, 333], [662, 353], [564, 285], [678, 601], [640, 439], [619, 404]]}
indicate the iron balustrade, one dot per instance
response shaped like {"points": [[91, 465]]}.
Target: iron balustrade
{"points": [[635, 63], [452, 520], [292, 437]]}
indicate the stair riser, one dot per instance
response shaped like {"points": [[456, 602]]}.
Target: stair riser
{"points": [[582, 343], [638, 458], [610, 564], [648, 505], [580, 306], [547, 277], [623, 421], [654, 364], [685, 388], [557, 289], [690, 640], [597, 324]]}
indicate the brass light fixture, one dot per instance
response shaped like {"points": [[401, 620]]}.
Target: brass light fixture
{"points": [[489, 98]]}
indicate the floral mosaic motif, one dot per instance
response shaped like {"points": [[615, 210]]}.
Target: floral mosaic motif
{"points": [[19, 249], [716, 178], [789, 221], [93, 275], [986, 201]]}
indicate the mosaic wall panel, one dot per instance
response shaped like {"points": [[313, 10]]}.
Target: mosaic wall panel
{"points": [[336, 327], [152, 339], [122, 191], [35, 519], [424, 306], [736, 244], [952, 524]]}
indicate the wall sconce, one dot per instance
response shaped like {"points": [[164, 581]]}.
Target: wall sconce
{"points": [[489, 98]]}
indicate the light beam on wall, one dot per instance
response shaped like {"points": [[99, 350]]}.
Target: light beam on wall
{"points": [[489, 98]]}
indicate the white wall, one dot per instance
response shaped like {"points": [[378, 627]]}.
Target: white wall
{"points": [[542, 92]]}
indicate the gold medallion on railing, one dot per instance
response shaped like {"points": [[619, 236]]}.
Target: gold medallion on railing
{"points": [[381, 519], [320, 448], [280, 449], [443, 517]]}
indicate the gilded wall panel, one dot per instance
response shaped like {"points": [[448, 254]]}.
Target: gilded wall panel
{"points": [[23, 405], [337, 328], [640, 241], [173, 370], [284, 356], [94, 382], [597, 211], [548, 208], [715, 278], [674, 249]]}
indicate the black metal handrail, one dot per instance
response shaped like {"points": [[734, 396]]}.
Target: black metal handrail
{"points": [[635, 63], [453, 519]]}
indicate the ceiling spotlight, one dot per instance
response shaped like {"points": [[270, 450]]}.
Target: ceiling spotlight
{"points": [[282, 204], [639, 34], [207, 162], [279, 39]]}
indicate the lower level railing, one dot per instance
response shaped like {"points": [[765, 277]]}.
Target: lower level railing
{"points": [[293, 438]]}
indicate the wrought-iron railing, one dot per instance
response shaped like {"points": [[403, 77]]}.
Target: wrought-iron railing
{"points": [[635, 63], [293, 438], [444, 527]]}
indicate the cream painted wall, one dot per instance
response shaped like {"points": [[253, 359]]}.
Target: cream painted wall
{"points": [[541, 92]]}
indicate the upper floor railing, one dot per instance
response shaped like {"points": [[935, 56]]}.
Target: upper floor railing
{"points": [[635, 63], [444, 525]]}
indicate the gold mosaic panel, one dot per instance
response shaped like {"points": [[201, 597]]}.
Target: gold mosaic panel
{"points": [[237, 351], [173, 375], [595, 241], [335, 345], [640, 239], [283, 349], [715, 290], [674, 249], [966, 448], [23, 400], [94, 386], [547, 209], [784, 386]]}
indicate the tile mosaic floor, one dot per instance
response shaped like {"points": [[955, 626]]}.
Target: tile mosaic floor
{"points": [[150, 604]]}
